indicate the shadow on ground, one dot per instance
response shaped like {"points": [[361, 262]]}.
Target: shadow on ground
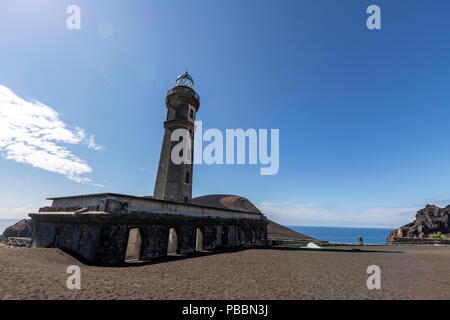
{"points": [[178, 257]]}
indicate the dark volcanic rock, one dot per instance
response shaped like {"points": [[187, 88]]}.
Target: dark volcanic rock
{"points": [[429, 220], [24, 229]]}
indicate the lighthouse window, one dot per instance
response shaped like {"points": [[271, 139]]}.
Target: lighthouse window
{"points": [[191, 112], [187, 178]]}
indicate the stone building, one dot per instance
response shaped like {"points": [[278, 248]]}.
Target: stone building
{"points": [[112, 228]]}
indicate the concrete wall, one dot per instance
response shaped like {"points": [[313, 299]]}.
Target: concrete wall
{"points": [[103, 238], [79, 238], [154, 241], [123, 203]]}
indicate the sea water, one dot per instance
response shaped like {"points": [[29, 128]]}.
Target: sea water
{"points": [[345, 234]]}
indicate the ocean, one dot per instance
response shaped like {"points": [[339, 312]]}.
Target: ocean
{"points": [[5, 223], [345, 234]]}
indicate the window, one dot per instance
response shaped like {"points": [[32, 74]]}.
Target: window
{"points": [[188, 180], [191, 112]]}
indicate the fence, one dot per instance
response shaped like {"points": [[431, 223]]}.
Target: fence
{"points": [[18, 242]]}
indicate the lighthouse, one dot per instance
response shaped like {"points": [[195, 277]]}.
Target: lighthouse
{"points": [[174, 180], [106, 228]]}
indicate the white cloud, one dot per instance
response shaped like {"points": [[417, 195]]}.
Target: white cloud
{"points": [[90, 142], [21, 212], [30, 132], [314, 214], [92, 145]]}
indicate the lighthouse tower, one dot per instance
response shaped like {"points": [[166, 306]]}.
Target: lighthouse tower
{"points": [[174, 181]]}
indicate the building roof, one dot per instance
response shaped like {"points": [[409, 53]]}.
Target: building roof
{"points": [[226, 201], [217, 201]]}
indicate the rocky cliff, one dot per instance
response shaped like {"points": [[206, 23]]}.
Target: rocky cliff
{"points": [[429, 220], [24, 229]]}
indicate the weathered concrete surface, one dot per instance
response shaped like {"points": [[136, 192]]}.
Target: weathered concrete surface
{"points": [[112, 244], [79, 238], [186, 238], [209, 237], [44, 235], [154, 241]]}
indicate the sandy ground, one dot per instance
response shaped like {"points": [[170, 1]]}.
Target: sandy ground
{"points": [[270, 273]]}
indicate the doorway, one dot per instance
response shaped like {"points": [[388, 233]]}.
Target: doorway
{"points": [[133, 246], [172, 246], [199, 240], [225, 236]]}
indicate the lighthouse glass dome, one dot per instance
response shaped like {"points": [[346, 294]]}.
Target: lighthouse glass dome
{"points": [[185, 80]]}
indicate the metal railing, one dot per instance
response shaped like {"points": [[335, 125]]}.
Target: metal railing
{"points": [[18, 242]]}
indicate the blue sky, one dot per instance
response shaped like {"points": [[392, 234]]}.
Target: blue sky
{"points": [[362, 114]]}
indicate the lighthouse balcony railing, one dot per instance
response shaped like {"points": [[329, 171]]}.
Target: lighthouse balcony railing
{"points": [[171, 91]]}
